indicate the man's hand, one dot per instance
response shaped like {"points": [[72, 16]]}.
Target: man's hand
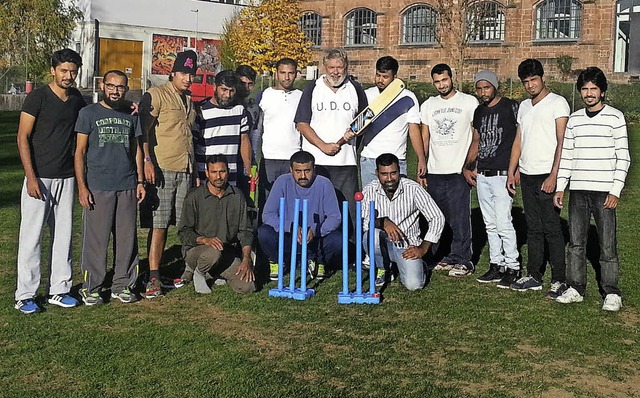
{"points": [[549, 184], [421, 172], [309, 235], [330, 149], [611, 202], [140, 193], [214, 242], [392, 230], [134, 108], [471, 176], [513, 180], [33, 188], [245, 270], [149, 171], [557, 199], [348, 135], [86, 198], [414, 253]]}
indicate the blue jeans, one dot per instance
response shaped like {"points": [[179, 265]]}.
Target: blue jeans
{"points": [[583, 204], [325, 250], [452, 194], [368, 170], [495, 205], [412, 274], [543, 223]]}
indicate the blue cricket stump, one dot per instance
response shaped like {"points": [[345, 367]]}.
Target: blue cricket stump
{"points": [[292, 292], [358, 297]]}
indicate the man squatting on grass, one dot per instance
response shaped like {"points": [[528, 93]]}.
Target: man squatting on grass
{"points": [[535, 158], [110, 174], [595, 160], [323, 236], [486, 167], [45, 144], [398, 203], [215, 231]]}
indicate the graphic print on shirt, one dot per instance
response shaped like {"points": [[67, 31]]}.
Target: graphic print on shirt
{"points": [[491, 136], [113, 130]]}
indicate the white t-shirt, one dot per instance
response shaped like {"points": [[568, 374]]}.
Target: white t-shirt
{"points": [[388, 133], [331, 115], [538, 128], [450, 131], [280, 139]]}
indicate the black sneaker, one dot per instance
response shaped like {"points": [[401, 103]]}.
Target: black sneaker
{"points": [[508, 278], [555, 290], [493, 275]]}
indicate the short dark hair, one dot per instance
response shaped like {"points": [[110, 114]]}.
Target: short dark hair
{"points": [[387, 159], [302, 157], [387, 63], [246, 71], [440, 69], [228, 78], [66, 55], [117, 73], [217, 158], [287, 61], [529, 68], [594, 75]]}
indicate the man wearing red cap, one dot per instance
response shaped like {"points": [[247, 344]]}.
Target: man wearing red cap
{"points": [[167, 115]]}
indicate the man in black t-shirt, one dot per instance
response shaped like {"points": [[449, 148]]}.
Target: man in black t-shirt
{"points": [[494, 129], [45, 142]]}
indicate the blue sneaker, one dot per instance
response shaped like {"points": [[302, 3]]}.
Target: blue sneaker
{"points": [[27, 306], [526, 283], [63, 300]]}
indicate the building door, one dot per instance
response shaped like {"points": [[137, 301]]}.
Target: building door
{"points": [[124, 55], [627, 40]]}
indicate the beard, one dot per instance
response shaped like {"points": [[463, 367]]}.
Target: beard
{"points": [[114, 104]]}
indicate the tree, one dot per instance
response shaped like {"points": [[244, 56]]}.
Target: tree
{"points": [[264, 32], [31, 30]]}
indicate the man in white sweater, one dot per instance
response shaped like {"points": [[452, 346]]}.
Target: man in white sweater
{"points": [[595, 160]]}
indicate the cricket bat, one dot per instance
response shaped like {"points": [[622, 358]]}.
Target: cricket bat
{"points": [[375, 108]]}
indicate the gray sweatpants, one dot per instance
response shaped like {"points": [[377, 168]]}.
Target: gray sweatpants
{"points": [[207, 259], [56, 211], [113, 212]]}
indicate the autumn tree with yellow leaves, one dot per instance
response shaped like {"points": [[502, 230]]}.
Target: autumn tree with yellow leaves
{"points": [[265, 32]]}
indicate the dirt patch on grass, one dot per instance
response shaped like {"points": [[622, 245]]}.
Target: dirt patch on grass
{"points": [[605, 387]]}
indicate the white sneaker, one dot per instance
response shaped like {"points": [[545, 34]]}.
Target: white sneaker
{"points": [[612, 302], [570, 295]]}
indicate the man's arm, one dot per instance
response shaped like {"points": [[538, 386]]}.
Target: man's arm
{"points": [[332, 211], [310, 135], [25, 128], [431, 212], [84, 195], [141, 192], [470, 169], [415, 136], [245, 153], [148, 122], [426, 135], [549, 184], [513, 179]]}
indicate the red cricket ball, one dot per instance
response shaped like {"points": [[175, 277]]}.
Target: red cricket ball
{"points": [[358, 196]]}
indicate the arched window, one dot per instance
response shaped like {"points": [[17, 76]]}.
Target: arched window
{"points": [[311, 25], [485, 21], [558, 20], [419, 25], [361, 27]]}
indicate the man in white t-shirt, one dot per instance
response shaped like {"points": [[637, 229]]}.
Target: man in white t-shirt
{"points": [[535, 158], [326, 109], [388, 133], [280, 139], [447, 133]]}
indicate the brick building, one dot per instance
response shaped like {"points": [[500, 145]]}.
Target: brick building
{"points": [[480, 34]]}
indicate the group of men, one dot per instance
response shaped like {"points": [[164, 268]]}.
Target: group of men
{"points": [[188, 164]]}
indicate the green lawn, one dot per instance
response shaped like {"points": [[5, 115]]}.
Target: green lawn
{"points": [[456, 338]]}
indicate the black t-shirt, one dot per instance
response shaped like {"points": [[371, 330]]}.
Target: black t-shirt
{"points": [[497, 127], [52, 139]]}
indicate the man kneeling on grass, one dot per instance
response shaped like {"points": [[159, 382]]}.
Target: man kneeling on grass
{"points": [[215, 233], [398, 203]]}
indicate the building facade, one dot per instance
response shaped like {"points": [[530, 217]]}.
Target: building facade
{"points": [[566, 35]]}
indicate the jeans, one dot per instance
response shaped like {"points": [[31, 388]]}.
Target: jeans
{"points": [[452, 194], [325, 250], [583, 204], [495, 205], [543, 222], [368, 170], [412, 274]]}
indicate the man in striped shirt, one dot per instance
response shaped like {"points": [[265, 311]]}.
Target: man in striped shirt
{"points": [[398, 202], [223, 128], [595, 160]]}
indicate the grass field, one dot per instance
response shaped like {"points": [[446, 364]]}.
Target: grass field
{"points": [[456, 338]]}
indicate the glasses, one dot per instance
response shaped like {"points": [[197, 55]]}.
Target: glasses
{"points": [[112, 87]]}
